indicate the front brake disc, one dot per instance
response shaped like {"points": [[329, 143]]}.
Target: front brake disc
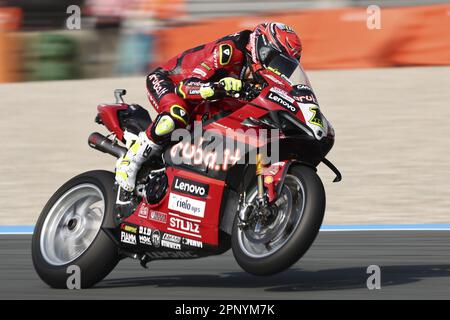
{"points": [[270, 230]]}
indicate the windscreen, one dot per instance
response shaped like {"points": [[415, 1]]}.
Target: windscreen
{"points": [[289, 68]]}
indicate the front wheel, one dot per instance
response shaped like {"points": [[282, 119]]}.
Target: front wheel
{"points": [[69, 232], [271, 246]]}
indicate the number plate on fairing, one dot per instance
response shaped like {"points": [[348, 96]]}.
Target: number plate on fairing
{"points": [[314, 119]]}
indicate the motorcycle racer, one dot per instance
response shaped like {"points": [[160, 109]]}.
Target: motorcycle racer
{"points": [[175, 88]]}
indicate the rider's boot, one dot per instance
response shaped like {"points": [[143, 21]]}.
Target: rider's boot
{"points": [[128, 166], [138, 152]]}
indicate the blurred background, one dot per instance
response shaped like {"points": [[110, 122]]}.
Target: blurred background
{"points": [[40, 41], [382, 76]]}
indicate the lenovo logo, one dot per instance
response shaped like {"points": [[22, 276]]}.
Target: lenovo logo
{"points": [[190, 187], [281, 101]]}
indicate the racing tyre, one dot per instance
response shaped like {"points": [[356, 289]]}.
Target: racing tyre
{"points": [[69, 235], [276, 244]]}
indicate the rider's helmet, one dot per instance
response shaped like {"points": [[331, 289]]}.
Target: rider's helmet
{"points": [[269, 39]]}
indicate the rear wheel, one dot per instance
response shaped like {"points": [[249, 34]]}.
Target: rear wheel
{"points": [[69, 231], [269, 246]]}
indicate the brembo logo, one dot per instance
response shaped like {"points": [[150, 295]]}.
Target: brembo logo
{"points": [[156, 83], [190, 187]]}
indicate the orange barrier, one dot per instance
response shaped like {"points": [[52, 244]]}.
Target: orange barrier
{"points": [[340, 38], [10, 19]]}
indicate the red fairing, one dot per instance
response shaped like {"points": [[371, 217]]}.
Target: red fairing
{"points": [[274, 79], [277, 86], [189, 213], [108, 115], [232, 125]]}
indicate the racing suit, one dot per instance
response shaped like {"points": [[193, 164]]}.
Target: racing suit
{"points": [[179, 85], [176, 88]]}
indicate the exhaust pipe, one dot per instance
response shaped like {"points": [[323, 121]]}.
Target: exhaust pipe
{"points": [[101, 143]]}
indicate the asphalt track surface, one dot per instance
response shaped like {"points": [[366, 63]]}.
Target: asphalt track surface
{"points": [[414, 265]]}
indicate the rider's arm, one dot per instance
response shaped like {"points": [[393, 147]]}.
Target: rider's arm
{"points": [[193, 88], [197, 85]]}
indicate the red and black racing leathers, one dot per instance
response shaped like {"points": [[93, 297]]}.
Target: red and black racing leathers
{"points": [[174, 88]]}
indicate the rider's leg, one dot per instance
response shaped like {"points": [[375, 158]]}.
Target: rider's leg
{"points": [[174, 114]]}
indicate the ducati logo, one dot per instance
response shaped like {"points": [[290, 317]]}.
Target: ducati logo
{"points": [[143, 212]]}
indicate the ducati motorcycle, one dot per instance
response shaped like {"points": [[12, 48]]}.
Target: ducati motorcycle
{"points": [[268, 213]]}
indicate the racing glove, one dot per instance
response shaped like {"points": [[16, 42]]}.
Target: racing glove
{"points": [[231, 84], [193, 89], [206, 91]]}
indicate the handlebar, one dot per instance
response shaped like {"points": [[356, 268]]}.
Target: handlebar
{"points": [[248, 92]]}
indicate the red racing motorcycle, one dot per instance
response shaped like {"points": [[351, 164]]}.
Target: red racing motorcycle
{"points": [[269, 213]]}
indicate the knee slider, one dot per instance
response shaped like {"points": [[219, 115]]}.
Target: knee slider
{"points": [[164, 125]]}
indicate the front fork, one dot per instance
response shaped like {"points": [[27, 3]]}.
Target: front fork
{"points": [[267, 180], [261, 197]]}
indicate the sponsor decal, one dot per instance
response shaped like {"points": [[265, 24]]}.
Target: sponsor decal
{"points": [[187, 205], [281, 101], [147, 240], [284, 94], [171, 238], [252, 42], [274, 70], [190, 187], [225, 54], [205, 65], [194, 92], [284, 27], [158, 216], [192, 243], [171, 241], [302, 87], [145, 231], [170, 245], [193, 83], [172, 255], [127, 238], [128, 228], [216, 64], [304, 94], [143, 212], [308, 98], [156, 85], [156, 238], [184, 225], [200, 72], [274, 79]]}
